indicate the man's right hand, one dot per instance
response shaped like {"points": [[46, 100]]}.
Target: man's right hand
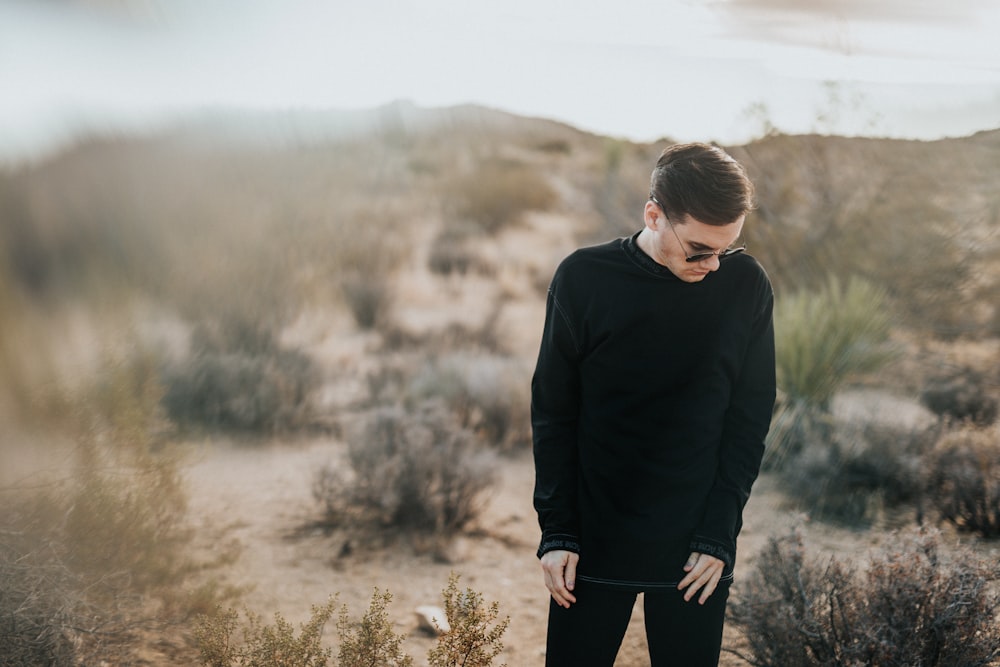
{"points": [[559, 568]]}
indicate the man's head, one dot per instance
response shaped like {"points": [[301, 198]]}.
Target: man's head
{"points": [[702, 181], [699, 198]]}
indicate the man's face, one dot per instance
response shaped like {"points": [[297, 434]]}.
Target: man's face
{"points": [[670, 243]]}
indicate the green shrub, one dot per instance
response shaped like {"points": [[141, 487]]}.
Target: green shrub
{"points": [[963, 480], [372, 641], [822, 338], [239, 377], [369, 642], [469, 641], [263, 645], [913, 605], [416, 471]]}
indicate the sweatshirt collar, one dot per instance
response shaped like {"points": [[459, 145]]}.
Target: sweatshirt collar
{"points": [[630, 245]]}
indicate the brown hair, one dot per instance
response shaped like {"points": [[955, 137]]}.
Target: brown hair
{"points": [[702, 181]]}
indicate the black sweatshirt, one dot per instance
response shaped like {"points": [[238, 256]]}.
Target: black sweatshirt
{"points": [[650, 402]]}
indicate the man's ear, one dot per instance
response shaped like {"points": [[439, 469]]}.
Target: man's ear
{"points": [[651, 215]]}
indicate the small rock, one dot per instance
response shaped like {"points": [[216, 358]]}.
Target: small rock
{"points": [[428, 616]]}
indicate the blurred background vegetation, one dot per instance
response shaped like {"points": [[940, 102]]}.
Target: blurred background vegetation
{"points": [[157, 288]]}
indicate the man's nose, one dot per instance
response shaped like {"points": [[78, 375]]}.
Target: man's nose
{"points": [[712, 263]]}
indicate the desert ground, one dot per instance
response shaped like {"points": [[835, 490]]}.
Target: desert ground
{"points": [[259, 496]]}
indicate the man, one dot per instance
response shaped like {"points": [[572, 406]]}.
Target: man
{"points": [[651, 399]]}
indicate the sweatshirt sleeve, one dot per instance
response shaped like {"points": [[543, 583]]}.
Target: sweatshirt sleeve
{"points": [[747, 421], [555, 401]]}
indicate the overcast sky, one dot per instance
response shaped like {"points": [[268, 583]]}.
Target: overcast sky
{"points": [[640, 69]]}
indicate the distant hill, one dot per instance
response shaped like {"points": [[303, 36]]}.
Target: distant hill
{"points": [[920, 218]]}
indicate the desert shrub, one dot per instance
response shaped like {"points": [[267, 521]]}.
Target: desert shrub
{"points": [[263, 645], [484, 337], [372, 641], [487, 393], [239, 377], [865, 472], [450, 254], [415, 471], [822, 338], [497, 194], [453, 251], [554, 145], [369, 297], [960, 396], [42, 606], [913, 605], [963, 480], [469, 641], [82, 556], [125, 505], [369, 642]]}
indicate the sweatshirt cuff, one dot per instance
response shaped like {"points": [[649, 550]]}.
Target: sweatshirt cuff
{"points": [[558, 541], [712, 548]]}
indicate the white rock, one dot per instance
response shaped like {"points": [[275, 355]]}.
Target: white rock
{"points": [[428, 616]]}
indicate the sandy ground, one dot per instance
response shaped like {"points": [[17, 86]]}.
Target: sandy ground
{"points": [[259, 495]]}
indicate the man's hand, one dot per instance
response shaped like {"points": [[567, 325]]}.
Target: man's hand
{"points": [[703, 573], [559, 568]]}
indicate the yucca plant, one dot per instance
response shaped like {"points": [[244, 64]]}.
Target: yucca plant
{"points": [[822, 338]]}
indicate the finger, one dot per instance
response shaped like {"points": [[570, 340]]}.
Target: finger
{"points": [[570, 573], [694, 569], [706, 584], [703, 580], [710, 587], [691, 561], [556, 583], [562, 596]]}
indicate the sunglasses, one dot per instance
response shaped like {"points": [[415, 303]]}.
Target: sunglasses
{"points": [[698, 256]]}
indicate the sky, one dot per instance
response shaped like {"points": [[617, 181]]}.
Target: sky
{"points": [[712, 70]]}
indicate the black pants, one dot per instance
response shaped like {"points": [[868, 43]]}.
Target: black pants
{"points": [[680, 633]]}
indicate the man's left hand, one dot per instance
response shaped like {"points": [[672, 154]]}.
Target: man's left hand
{"points": [[703, 573]]}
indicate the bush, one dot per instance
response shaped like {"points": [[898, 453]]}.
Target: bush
{"points": [[913, 606], [487, 393], [961, 396], [263, 645], [963, 480], [239, 377], [452, 252], [82, 556], [368, 296], [864, 473], [821, 339], [497, 194], [469, 641], [373, 641], [40, 597], [415, 471]]}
